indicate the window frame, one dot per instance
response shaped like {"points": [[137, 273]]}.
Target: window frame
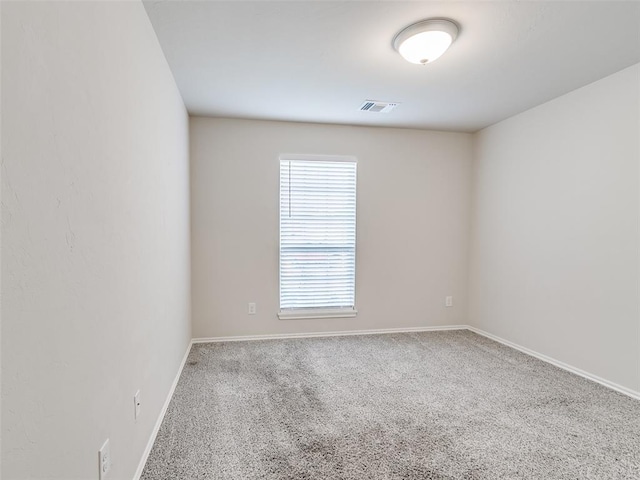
{"points": [[316, 312]]}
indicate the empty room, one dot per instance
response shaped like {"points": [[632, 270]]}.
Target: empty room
{"points": [[320, 239]]}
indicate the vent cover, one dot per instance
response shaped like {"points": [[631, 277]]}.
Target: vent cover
{"points": [[377, 107]]}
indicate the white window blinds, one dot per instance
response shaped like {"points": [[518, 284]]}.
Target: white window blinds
{"points": [[317, 234]]}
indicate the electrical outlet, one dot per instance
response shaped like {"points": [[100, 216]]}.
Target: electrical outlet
{"points": [[104, 460], [252, 308], [136, 405], [448, 302]]}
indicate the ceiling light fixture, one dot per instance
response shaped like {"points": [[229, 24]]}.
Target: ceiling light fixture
{"points": [[425, 41]]}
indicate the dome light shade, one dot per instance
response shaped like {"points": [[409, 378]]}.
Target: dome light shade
{"points": [[425, 41]]}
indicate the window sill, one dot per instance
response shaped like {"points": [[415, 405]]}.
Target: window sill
{"points": [[309, 313]]}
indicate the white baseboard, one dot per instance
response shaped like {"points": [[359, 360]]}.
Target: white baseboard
{"points": [[163, 411], [559, 364], [280, 336]]}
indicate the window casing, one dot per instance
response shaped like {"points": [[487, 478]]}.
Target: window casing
{"points": [[317, 236]]}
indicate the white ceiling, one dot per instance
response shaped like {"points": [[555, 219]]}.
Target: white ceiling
{"points": [[317, 61]]}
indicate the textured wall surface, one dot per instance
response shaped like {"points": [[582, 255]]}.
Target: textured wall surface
{"points": [[554, 263], [412, 224], [95, 231]]}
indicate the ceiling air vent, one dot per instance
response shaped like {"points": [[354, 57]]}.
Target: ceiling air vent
{"points": [[377, 107]]}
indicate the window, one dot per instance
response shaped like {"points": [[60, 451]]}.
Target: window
{"points": [[317, 236]]}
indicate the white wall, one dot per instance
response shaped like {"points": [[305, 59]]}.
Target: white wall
{"points": [[95, 230], [412, 224], [554, 262]]}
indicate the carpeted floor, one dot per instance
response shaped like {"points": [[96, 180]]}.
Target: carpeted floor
{"points": [[435, 405]]}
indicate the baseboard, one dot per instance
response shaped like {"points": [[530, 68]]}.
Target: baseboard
{"points": [[163, 411], [559, 364], [244, 338]]}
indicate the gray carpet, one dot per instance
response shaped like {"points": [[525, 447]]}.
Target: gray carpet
{"points": [[436, 405]]}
